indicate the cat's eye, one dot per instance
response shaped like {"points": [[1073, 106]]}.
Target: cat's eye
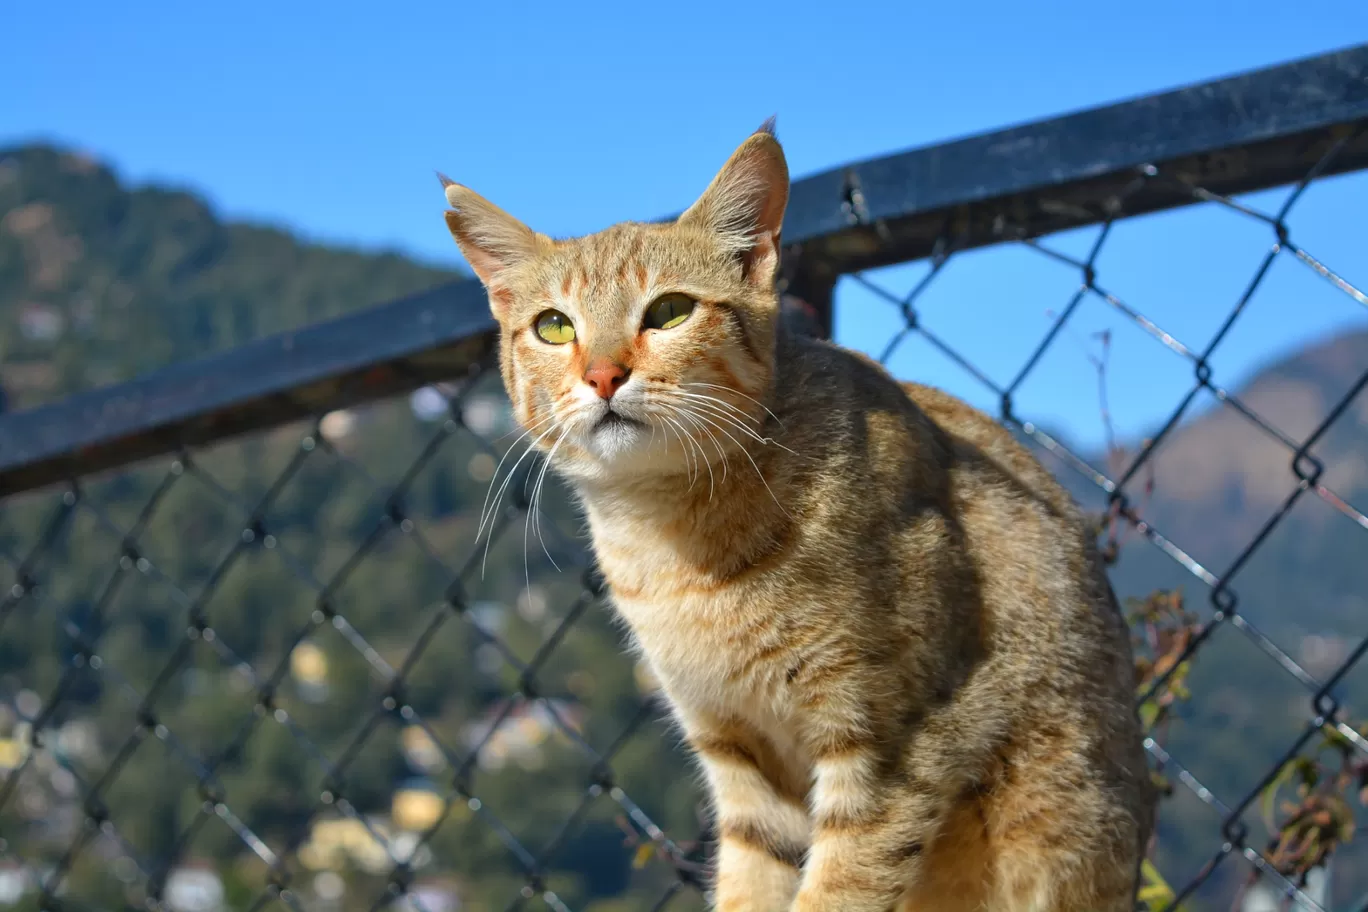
{"points": [[669, 310], [555, 327]]}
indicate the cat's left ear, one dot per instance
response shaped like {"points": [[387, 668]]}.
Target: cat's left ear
{"points": [[491, 240], [744, 205]]}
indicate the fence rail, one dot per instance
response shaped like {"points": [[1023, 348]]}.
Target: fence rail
{"points": [[267, 560]]}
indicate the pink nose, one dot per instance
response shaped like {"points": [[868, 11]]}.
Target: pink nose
{"points": [[606, 377]]}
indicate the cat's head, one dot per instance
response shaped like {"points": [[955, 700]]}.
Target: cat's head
{"points": [[643, 348]]}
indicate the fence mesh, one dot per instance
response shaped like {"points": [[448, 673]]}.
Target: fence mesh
{"points": [[361, 663], [320, 633]]}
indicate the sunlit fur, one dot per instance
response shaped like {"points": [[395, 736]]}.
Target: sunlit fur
{"points": [[880, 623]]}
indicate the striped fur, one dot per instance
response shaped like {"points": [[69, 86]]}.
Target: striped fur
{"points": [[880, 623]]}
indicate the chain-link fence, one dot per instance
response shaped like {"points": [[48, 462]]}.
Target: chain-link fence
{"points": [[301, 626]]}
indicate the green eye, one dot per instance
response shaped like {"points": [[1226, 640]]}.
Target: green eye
{"points": [[669, 310], [555, 327]]}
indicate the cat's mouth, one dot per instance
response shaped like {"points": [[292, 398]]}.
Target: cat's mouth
{"points": [[613, 434], [614, 420]]}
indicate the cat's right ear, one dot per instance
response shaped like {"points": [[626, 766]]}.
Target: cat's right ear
{"points": [[490, 239], [744, 205]]}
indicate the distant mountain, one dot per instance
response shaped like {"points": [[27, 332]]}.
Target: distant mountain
{"points": [[1219, 477], [1216, 480], [100, 281]]}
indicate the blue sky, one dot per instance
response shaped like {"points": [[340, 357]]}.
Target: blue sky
{"points": [[330, 119]]}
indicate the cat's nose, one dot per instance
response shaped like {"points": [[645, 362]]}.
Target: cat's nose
{"points": [[606, 377]]}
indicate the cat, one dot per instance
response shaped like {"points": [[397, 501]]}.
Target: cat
{"points": [[882, 626]]}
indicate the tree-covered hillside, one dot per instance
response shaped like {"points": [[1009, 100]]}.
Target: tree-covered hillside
{"points": [[100, 282]]}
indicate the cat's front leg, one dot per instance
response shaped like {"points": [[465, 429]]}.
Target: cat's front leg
{"points": [[762, 823], [869, 833]]}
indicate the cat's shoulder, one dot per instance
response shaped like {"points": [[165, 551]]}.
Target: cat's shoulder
{"points": [[845, 384], [817, 366]]}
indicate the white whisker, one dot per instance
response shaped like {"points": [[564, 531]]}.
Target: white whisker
{"points": [[687, 416], [745, 452], [492, 508], [736, 392], [532, 511], [730, 407], [498, 498], [536, 500], [684, 442], [711, 404], [495, 477], [717, 444], [705, 402], [670, 428], [720, 405]]}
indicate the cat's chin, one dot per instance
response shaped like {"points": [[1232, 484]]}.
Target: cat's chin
{"points": [[616, 437]]}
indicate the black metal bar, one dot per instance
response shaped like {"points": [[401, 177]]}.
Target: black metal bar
{"points": [[430, 336], [1254, 130]]}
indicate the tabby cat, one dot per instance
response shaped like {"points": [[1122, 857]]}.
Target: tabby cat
{"points": [[881, 625]]}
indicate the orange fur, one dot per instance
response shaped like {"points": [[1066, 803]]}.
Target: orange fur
{"points": [[880, 622]]}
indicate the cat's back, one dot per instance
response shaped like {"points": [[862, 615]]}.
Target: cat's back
{"points": [[1027, 536], [979, 438], [849, 406], [892, 451]]}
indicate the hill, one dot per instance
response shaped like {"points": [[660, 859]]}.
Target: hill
{"points": [[100, 282], [1221, 478], [1218, 477], [1215, 481]]}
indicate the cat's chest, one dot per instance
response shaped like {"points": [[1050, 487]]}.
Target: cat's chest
{"points": [[718, 616], [721, 651]]}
